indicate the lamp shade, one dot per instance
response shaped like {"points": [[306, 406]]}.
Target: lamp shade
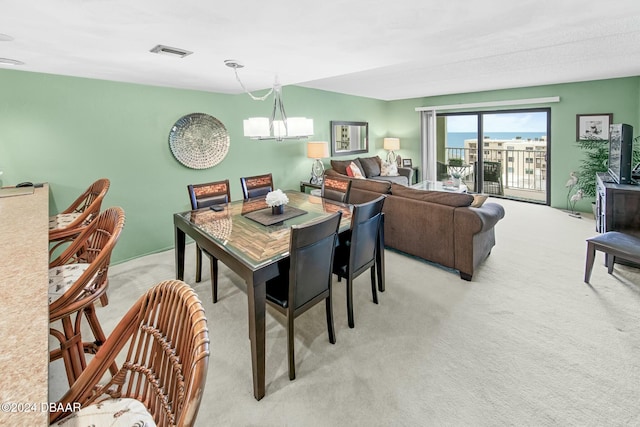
{"points": [[279, 129], [391, 144], [317, 149], [299, 126], [256, 127]]}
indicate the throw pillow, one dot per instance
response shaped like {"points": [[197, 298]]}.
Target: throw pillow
{"points": [[354, 171], [370, 166], [389, 169], [340, 166], [478, 200]]}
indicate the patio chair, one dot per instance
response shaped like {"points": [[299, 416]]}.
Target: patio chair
{"points": [[77, 279], [161, 380], [70, 222]]}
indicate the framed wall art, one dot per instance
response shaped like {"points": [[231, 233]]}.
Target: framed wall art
{"points": [[349, 138], [593, 126]]}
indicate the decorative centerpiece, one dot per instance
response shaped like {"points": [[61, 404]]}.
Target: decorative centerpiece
{"points": [[455, 177], [276, 200]]}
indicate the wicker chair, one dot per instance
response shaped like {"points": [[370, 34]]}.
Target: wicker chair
{"points": [[357, 252], [336, 188], [256, 186], [77, 278], [69, 223], [164, 373], [304, 279], [202, 196]]}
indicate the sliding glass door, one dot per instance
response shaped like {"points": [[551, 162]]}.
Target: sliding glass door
{"points": [[501, 153]]}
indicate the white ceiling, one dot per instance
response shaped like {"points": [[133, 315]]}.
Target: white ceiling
{"points": [[374, 48]]}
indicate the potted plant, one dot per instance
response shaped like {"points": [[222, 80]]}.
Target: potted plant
{"points": [[456, 161], [595, 160], [455, 176], [276, 200]]}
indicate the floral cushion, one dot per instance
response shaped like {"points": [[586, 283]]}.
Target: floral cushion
{"points": [[389, 169], [110, 412], [62, 220], [63, 277]]}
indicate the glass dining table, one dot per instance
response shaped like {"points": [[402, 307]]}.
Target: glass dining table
{"points": [[239, 237]]}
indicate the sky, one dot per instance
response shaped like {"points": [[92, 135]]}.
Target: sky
{"points": [[504, 122]]}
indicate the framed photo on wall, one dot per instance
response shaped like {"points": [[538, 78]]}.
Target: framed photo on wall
{"points": [[406, 163], [593, 126]]}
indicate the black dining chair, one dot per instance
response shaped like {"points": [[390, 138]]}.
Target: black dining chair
{"points": [[203, 196], [305, 277], [256, 186], [336, 188], [357, 250]]}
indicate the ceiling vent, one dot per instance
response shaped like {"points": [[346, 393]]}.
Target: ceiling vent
{"points": [[171, 51]]}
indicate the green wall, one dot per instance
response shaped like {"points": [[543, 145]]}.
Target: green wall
{"points": [[71, 131], [618, 96]]}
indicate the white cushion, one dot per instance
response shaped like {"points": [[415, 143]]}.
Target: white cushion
{"points": [[62, 220], [389, 169], [63, 277], [110, 412]]}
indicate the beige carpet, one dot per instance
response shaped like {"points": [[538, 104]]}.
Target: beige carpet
{"points": [[527, 343]]}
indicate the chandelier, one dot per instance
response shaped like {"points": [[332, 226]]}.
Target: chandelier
{"points": [[277, 127]]}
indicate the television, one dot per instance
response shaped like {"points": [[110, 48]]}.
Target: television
{"points": [[620, 153]]}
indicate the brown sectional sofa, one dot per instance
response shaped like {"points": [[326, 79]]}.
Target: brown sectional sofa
{"points": [[438, 226], [371, 168]]}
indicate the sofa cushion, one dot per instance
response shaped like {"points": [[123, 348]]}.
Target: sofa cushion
{"points": [[456, 200], [340, 166], [400, 179], [389, 169], [370, 166], [110, 412], [354, 171], [63, 277], [371, 185]]}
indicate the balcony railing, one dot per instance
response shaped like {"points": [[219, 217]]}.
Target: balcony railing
{"points": [[522, 171]]}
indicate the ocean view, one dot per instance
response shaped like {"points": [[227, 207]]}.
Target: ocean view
{"points": [[456, 139]]}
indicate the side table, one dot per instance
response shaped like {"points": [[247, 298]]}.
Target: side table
{"points": [[305, 184]]}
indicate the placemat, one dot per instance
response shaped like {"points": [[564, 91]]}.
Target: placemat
{"points": [[265, 217]]}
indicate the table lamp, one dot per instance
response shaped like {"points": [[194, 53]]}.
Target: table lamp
{"points": [[391, 144], [317, 150]]}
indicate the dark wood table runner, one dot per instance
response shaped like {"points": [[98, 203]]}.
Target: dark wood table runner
{"points": [[266, 218]]}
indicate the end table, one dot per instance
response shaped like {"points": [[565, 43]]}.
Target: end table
{"points": [[305, 184]]}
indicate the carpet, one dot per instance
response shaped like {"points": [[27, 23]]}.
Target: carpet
{"points": [[526, 343]]}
